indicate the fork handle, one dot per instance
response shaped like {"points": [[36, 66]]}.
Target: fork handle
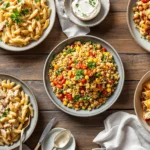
{"points": [[37, 146]]}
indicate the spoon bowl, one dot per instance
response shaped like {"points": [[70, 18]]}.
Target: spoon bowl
{"points": [[62, 139]]}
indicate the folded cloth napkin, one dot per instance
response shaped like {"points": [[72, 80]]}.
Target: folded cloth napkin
{"points": [[68, 27], [123, 132]]}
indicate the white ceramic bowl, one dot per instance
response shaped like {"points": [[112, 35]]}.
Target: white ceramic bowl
{"points": [[105, 7], [109, 102], [137, 101], [134, 32], [33, 101], [51, 5]]}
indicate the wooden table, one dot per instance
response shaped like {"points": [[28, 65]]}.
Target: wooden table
{"points": [[28, 66]]}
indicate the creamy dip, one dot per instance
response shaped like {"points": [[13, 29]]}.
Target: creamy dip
{"points": [[86, 9]]}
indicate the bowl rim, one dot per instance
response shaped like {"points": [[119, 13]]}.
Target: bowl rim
{"points": [[134, 100], [93, 25], [35, 102], [72, 113], [28, 47], [128, 23]]}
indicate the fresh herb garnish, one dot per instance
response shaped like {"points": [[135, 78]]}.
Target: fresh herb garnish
{"points": [[79, 74], [15, 16], [84, 15], [77, 97], [70, 50], [91, 65], [104, 57], [59, 71], [51, 66], [37, 18], [7, 23], [19, 1], [92, 3], [86, 97], [24, 12], [5, 113], [37, 1], [77, 5], [113, 61], [5, 5], [76, 61], [95, 47], [98, 74], [0, 1]]}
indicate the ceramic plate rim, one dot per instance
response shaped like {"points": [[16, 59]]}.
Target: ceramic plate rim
{"points": [[40, 40], [72, 113], [98, 22], [35, 103], [134, 101], [58, 128], [129, 26]]}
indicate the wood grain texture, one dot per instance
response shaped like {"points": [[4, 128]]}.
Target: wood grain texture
{"points": [[30, 67], [83, 129]]}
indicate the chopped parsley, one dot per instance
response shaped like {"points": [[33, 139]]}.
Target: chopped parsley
{"points": [[24, 12], [76, 61], [70, 50], [92, 3], [104, 57], [84, 15], [98, 74], [59, 71], [113, 61], [77, 97], [5, 113], [37, 1], [82, 41], [51, 66], [95, 47], [15, 16], [91, 65], [6, 5], [7, 23], [79, 74], [86, 97], [77, 5], [19, 1], [37, 18]]}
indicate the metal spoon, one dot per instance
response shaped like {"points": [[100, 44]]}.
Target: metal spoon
{"points": [[22, 132], [62, 139]]}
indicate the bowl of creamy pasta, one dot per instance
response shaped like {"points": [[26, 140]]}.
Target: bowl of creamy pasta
{"points": [[17, 107], [83, 76], [142, 101], [138, 13], [25, 23]]}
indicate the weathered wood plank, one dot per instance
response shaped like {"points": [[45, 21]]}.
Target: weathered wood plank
{"points": [[125, 101], [113, 29], [30, 67], [84, 129]]}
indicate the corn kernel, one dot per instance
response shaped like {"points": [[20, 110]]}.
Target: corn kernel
{"points": [[108, 90], [69, 73], [80, 84], [95, 60], [77, 48], [87, 53], [83, 107], [67, 82], [65, 103], [98, 80], [86, 77], [85, 72], [90, 59]]}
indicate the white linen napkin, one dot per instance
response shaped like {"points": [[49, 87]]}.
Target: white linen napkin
{"points": [[123, 132], [68, 27]]}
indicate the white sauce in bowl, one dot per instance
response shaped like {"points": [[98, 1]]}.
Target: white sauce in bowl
{"points": [[86, 9]]}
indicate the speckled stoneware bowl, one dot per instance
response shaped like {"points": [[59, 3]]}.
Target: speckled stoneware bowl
{"points": [[33, 101], [134, 32], [109, 102], [105, 7], [137, 101], [51, 5]]}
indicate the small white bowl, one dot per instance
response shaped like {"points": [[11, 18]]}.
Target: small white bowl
{"points": [[137, 101], [105, 7], [51, 5], [48, 143], [87, 19]]}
